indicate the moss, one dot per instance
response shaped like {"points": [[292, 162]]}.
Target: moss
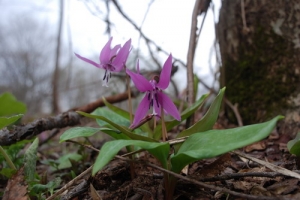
{"points": [[262, 78]]}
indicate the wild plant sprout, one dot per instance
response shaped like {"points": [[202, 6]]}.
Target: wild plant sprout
{"points": [[111, 59], [194, 143]]}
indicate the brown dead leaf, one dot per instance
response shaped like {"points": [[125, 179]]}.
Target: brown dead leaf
{"points": [[16, 187], [284, 187], [260, 191], [216, 167], [94, 193], [244, 185], [261, 145], [274, 135]]}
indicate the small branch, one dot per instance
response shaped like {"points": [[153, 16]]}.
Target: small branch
{"points": [[99, 103], [70, 118], [245, 28], [204, 185], [270, 165], [235, 111], [190, 61], [28, 131], [72, 182], [212, 187], [233, 107], [240, 175], [148, 40]]}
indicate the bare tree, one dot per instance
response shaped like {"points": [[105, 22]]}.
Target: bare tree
{"points": [[55, 78], [24, 61]]}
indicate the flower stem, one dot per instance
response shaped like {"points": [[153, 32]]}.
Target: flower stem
{"points": [[129, 98], [132, 172], [7, 158], [154, 122], [163, 126]]}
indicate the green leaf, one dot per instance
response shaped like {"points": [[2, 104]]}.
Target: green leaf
{"points": [[89, 131], [64, 161], [5, 121], [7, 172], [124, 130], [117, 110], [10, 106], [216, 142], [111, 148], [208, 120], [196, 83], [110, 115], [126, 115], [49, 187], [185, 114], [78, 132], [13, 151], [30, 158], [294, 145]]}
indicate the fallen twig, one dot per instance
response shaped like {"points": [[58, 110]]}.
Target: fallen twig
{"points": [[212, 187], [270, 165], [70, 118], [28, 131], [69, 184]]}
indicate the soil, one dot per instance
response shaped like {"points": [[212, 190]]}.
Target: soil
{"points": [[228, 176], [229, 171]]}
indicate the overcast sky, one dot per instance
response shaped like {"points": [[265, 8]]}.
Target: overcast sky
{"points": [[168, 24]]}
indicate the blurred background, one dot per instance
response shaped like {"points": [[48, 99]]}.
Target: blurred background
{"points": [[38, 40]]}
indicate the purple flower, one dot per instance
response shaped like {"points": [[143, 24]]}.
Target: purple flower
{"points": [[154, 96], [111, 60]]}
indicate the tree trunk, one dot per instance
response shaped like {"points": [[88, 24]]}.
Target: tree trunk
{"points": [[55, 77], [260, 44]]}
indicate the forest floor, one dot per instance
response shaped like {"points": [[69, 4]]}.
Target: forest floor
{"points": [[235, 175]]}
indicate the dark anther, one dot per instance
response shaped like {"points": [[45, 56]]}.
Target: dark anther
{"points": [[105, 75], [149, 96], [156, 99], [151, 103]]}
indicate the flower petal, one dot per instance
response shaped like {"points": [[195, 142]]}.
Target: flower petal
{"points": [[120, 60], [165, 74], [140, 82], [141, 110], [105, 52], [168, 105], [114, 51], [88, 61]]}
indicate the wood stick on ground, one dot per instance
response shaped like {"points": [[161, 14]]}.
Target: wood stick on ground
{"points": [[70, 118], [270, 165]]}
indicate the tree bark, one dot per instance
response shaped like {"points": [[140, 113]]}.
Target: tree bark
{"points": [[260, 50]]}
